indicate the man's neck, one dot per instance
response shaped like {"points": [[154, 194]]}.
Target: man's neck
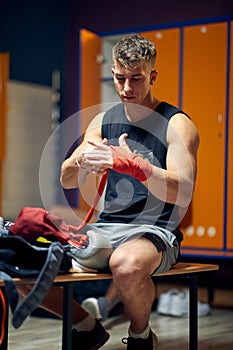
{"points": [[136, 113]]}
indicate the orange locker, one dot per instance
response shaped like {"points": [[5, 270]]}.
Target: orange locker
{"points": [[90, 94], [230, 150], [90, 73], [204, 99], [4, 68], [167, 42]]}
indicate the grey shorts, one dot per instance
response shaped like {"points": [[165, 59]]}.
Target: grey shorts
{"points": [[163, 240], [169, 257]]}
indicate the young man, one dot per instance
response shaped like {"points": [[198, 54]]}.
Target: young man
{"points": [[148, 148]]}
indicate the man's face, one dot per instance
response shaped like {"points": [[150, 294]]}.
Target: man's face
{"points": [[133, 84]]}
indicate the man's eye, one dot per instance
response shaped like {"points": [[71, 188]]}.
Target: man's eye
{"points": [[121, 79]]}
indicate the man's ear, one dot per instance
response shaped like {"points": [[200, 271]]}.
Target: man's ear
{"points": [[153, 76]]}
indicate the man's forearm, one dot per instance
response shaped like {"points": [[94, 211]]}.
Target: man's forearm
{"points": [[72, 176]]}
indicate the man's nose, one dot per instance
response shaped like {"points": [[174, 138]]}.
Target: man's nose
{"points": [[127, 86]]}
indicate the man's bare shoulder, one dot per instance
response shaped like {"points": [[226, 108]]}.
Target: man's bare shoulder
{"points": [[183, 126], [96, 121]]}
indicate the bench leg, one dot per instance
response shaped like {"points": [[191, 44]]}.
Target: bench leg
{"points": [[210, 286], [67, 316], [193, 316]]}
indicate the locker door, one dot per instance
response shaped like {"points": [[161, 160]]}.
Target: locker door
{"points": [[90, 98], [4, 68], [167, 84], [90, 73], [230, 150], [204, 99]]}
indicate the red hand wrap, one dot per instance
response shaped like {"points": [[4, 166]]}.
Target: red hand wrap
{"points": [[131, 164]]}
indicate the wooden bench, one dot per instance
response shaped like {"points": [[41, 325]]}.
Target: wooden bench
{"points": [[191, 270]]}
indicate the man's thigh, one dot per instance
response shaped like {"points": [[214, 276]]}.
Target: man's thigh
{"points": [[145, 254], [140, 254]]}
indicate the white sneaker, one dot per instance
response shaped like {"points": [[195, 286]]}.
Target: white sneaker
{"points": [[164, 301], [203, 309], [179, 305], [175, 303]]}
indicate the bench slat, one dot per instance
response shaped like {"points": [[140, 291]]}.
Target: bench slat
{"points": [[178, 269]]}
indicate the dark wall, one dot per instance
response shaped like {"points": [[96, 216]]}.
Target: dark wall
{"points": [[42, 36], [105, 15], [33, 32]]}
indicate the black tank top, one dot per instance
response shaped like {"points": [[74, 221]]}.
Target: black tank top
{"points": [[127, 200]]}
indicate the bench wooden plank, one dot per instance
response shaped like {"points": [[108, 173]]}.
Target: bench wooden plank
{"points": [[178, 269]]}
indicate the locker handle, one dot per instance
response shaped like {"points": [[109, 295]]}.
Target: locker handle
{"points": [[219, 118]]}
